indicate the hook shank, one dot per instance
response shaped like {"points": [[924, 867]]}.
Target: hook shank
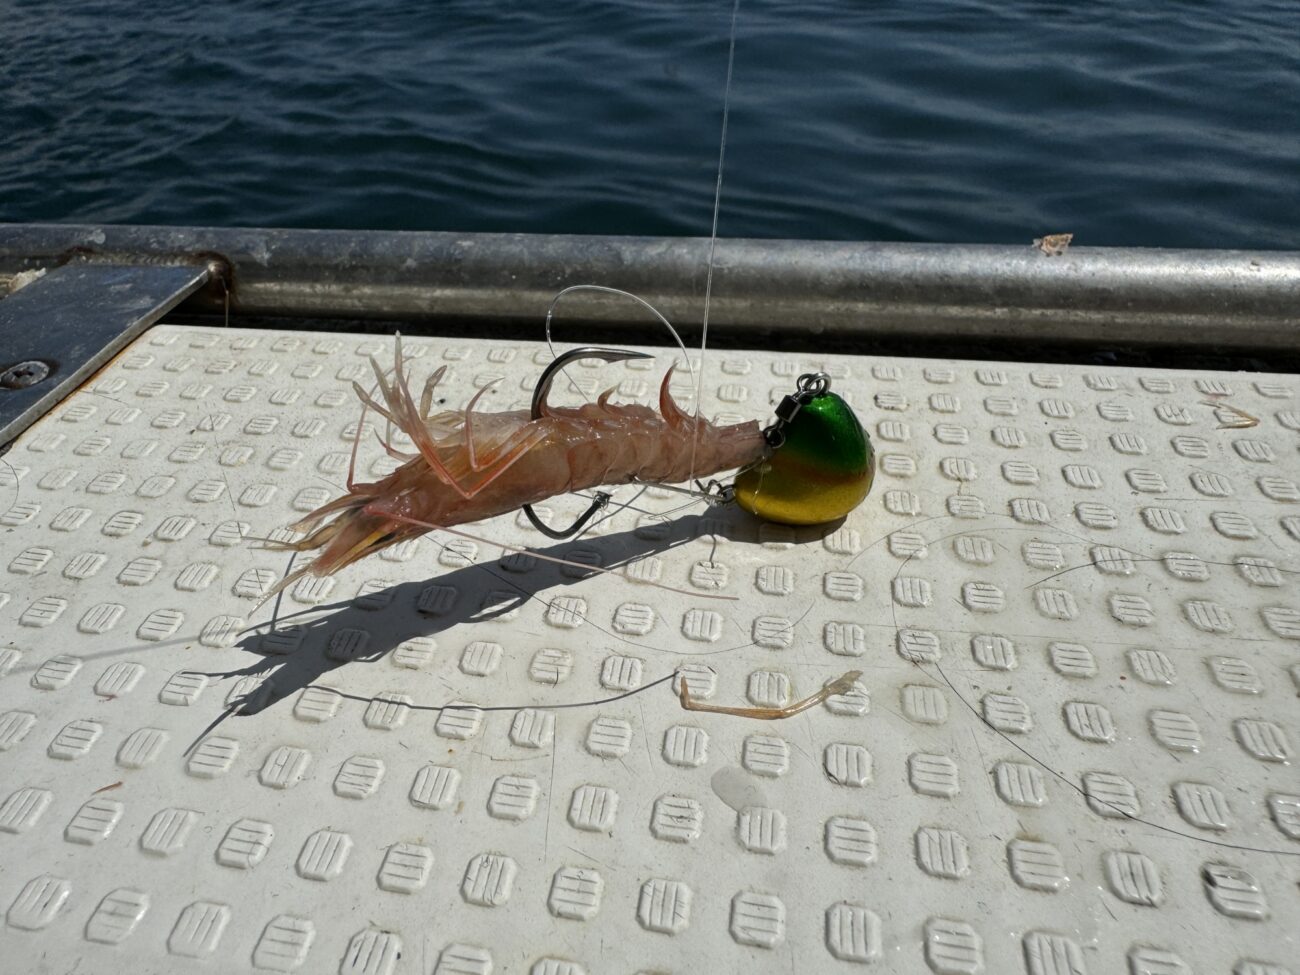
{"points": [[540, 392]]}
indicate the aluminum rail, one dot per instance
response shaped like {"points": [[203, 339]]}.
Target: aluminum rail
{"points": [[1181, 298]]}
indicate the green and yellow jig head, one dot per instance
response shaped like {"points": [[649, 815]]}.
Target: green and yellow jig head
{"points": [[821, 463]]}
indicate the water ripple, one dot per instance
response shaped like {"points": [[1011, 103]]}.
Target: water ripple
{"points": [[962, 120]]}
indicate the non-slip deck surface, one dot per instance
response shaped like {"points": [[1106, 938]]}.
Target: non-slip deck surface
{"points": [[1072, 595]]}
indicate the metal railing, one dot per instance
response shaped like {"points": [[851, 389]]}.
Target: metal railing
{"points": [[1155, 297]]}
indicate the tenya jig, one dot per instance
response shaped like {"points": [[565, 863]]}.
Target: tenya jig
{"points": [[814, 464]]}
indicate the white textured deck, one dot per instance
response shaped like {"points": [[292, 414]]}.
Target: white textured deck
{"points": [[1073, 597]]}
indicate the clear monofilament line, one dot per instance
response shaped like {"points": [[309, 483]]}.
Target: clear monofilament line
{"points": [[550, 316], [713, 233]]}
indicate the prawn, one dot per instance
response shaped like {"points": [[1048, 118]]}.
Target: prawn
{"points": [[813, 465]]}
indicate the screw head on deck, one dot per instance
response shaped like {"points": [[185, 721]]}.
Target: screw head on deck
{"points": [[24, 374]]}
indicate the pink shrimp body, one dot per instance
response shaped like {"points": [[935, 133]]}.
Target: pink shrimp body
{"points": [[468, 467]]}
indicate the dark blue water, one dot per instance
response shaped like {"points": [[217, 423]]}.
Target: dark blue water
{"points": [[1168, 123]]}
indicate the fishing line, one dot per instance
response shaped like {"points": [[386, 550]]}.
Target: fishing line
{"points": [[521, 707], [713, 234], [1091, 798], [697, 376], [1282, 570], [18, 481], [603, 289]]}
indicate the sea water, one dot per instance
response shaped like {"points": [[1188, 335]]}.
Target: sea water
{"points": [[1168, 123]]}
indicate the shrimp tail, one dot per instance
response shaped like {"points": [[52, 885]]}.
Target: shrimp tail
{"points": [[359, 529], [353, 526]]}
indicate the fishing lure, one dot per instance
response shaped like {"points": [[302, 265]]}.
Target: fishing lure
{"points": [[813, 464]]}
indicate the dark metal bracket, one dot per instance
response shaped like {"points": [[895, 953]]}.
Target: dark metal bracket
{"points": [[56, 331]]}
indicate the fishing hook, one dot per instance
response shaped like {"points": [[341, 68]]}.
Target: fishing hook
{"points": [[543, 387]]}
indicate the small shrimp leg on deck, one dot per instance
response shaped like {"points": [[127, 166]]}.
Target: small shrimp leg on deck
{"points": [[844, 684]]}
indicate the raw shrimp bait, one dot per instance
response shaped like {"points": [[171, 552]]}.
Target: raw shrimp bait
{"points": [[814, 464]]}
